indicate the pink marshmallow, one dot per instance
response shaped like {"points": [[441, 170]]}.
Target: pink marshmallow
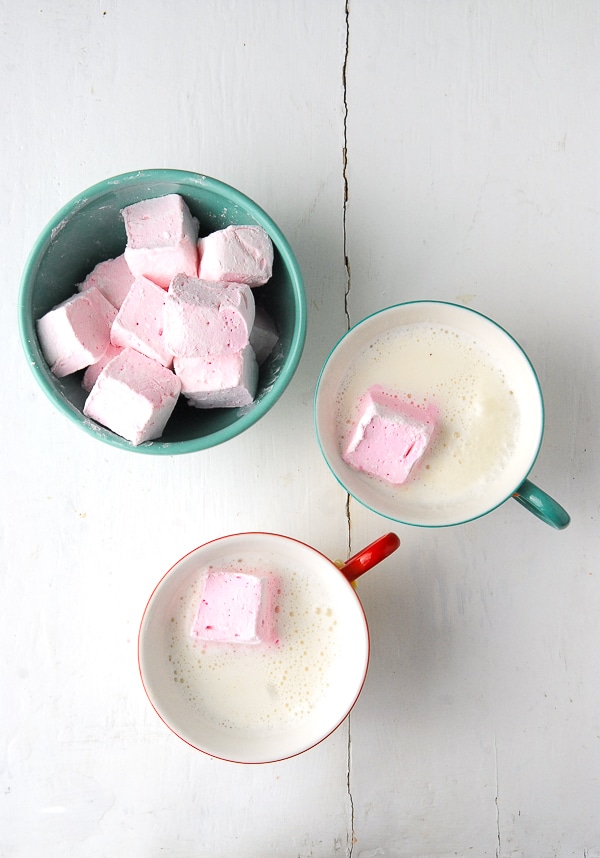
{"points": [[140, 322], [162, 239], [133, 396], [263, 336], [237, 254], [207, 318], [112, 277], [389, 437], [94, 370], [235, 607], [219, 381], [76, 332]]}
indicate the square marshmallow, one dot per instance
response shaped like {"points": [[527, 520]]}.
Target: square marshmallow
{"points": [[140, 322], [162, 239], [207, 318], [133, 396], [237, 254], [76, 332], [235, 607], [94, 369], [389, 436], [112, 277], [219, 381]]}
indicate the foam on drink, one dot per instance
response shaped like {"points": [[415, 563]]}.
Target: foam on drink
{"points": [[435, 365], [265, 687]]}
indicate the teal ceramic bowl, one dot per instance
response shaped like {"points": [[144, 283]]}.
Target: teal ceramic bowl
{"points": [[90, 229]]}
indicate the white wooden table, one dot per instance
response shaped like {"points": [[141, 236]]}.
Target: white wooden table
{"points": [[442, 149]]}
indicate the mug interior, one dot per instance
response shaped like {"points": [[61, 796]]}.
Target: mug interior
{"points": [[200, 722], [396, 502]]}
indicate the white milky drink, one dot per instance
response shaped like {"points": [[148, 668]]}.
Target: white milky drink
{"points": [[262, 702], [478, 414], [253, 689], [462, 366]]}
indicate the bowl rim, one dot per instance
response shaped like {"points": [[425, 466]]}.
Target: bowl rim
{"points": [[28, 335]]}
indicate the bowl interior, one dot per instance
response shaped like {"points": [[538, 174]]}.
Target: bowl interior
{"points": [[90, 229], [397, 503], [214, 719]]}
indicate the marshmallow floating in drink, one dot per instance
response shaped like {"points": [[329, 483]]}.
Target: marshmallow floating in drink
{"points": [[389, 437], [237, 254], [235, 607], [151, 300]]}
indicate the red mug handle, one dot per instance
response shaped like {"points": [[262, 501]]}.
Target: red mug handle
{"points": [[370, 556]]}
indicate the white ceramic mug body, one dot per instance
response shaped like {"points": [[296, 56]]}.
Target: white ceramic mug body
{"points": [[170, 661], [398, 503]]}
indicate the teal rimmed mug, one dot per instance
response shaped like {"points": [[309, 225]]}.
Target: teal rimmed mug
{"points": [[463, 367], [90, 229]]}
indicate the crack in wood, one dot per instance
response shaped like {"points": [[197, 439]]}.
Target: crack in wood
{"points": [[345, 161], [351, 832]]}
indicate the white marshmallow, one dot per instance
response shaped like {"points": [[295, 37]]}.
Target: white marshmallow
{"points": [[219, 381], [133, 396], [162, 239], [207, 318], [140, 322], [112, 277], [76, 332], [237, 254]]}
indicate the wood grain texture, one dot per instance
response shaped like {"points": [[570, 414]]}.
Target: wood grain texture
{"points": [[472, 175]]}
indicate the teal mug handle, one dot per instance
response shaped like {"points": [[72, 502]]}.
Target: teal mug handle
{"points": [[542, 505]]}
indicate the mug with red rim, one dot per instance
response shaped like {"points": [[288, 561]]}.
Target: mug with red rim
{"points": [[265, 702]]}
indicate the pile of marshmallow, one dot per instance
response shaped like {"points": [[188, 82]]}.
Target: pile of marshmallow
{"points": [[174, 314]]}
